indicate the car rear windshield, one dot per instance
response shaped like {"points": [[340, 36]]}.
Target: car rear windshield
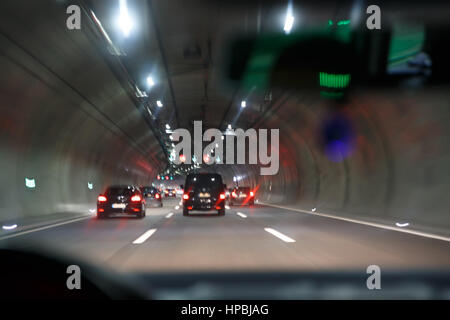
{"points": [[212, 182], [119, 191], [149, 190]]}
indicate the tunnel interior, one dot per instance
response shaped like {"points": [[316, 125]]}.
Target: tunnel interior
{"points": [[72, 122]]}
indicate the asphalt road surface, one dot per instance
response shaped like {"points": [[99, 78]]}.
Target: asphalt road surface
{"points": [[246, 238]]}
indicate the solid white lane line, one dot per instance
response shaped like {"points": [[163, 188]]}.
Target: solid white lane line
{"points": [[43, 228], [376, 225], [240, 214], [169, 215], [279, 235], [227, 207], [144, 237]]}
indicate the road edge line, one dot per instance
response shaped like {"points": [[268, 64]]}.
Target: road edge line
{"points": [[20, 233], [371, 224]]}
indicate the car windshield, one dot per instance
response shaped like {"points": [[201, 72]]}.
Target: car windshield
{"points": [[269, 139]]}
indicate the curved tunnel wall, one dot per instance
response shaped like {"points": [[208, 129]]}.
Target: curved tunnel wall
{"points": [[398, 170], [63, 124]]}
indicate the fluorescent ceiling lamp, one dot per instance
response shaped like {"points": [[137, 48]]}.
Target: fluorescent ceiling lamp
{"points": [[289, 20], [150, 81], [243, 104], [124, 21], [167, 126], [159, 103]]}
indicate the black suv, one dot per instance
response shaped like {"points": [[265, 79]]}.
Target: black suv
{"points": [[122, 199], [204, 192]]}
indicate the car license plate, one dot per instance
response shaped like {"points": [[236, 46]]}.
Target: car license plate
{"points": [[119, 205], [204, 195], [242, 195]]}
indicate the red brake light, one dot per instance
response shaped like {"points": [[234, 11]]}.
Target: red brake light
{"points": [[251, 194], [102, 198], [222, 196], [157, 196], [185, 196], [136, 198]]}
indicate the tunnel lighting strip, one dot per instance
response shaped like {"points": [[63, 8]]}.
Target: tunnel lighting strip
{"points": [[169, 215], [144, 237], [10, 227], [240, 214], [376, 225], [401, 225], [279, 235]]}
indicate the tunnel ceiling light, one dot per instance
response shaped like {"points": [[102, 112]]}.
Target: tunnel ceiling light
{"points": [[159, 103], [90, 185], [124, 21], [150, 81], [289, 20], [243, 104]]}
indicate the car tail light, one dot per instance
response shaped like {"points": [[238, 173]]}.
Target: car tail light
{"points": [[136, 209], [222, 196], [165, 191], [218, 208], [136, 198], [189, 208], [101, 210], [233, 194], [102, 198], [251, 194], [185, 196], [157, 196]]}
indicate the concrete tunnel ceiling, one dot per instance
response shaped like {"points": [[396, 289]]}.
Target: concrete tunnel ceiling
{"points": [[101, 131]]}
